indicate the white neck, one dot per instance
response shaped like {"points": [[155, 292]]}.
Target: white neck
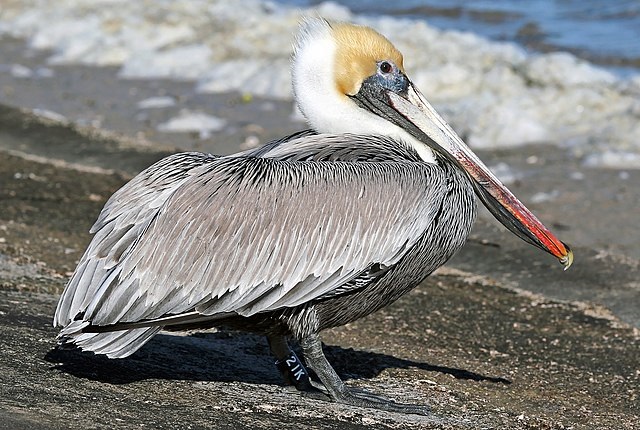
{"points": [[318, 98]]}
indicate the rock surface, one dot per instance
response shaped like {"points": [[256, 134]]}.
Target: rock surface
{"points": [[470, 341]]}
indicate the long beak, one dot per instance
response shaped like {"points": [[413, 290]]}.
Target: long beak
{"points": [[431, 129]]}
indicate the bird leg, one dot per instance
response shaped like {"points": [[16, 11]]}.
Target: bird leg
{"points": [[289, 365], [338, 391]]}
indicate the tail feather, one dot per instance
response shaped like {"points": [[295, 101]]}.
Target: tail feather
{"points": [[114, 344]]}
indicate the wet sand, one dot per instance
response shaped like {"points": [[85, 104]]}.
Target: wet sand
{"points": [[500, 338]]}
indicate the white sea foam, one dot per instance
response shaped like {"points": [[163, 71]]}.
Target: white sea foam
{"points": [[494, 94], [193, 122], [157, 102], [542, 197], [505, 173], [20, 71], [613, 159], [50, 115]]}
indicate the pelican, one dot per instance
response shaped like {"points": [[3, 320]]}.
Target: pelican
{"points": [[312, 231]]}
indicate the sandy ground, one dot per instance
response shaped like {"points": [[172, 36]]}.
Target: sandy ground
{"points": [[501, 338]]}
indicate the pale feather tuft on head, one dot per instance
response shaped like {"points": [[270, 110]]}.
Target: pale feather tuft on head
{"points": [[329, 65]]}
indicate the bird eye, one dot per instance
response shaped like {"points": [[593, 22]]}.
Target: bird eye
{"points": [[385, 67]]}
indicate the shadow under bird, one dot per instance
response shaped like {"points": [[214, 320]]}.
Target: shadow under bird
{"points": [[308, 232]]}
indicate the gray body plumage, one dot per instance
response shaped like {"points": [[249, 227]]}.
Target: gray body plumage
{"points": [[306, 233]]}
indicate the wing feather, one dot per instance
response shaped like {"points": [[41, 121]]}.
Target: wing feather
{"points": [[120, 224], [195, 236], [249, 235]]}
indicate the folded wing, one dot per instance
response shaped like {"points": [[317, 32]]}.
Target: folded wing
{"points": [[248, 235]]}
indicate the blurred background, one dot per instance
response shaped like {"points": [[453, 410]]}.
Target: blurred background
{"points": [[505, 72]]}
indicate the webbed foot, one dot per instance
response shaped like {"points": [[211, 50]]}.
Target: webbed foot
{"points": [[338, 392], [362, 398]]}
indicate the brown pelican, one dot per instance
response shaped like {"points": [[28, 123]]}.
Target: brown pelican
{"points": [[308, 232]]}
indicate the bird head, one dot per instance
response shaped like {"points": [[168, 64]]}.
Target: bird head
{"points": [[351, 79]]}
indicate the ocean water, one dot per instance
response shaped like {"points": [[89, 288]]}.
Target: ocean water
{"points": [[601, 31], [496, 89]]}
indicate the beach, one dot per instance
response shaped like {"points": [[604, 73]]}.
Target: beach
{"points": [[499, 338]]}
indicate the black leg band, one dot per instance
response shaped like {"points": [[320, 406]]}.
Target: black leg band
{"points": [[294, 372]]}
